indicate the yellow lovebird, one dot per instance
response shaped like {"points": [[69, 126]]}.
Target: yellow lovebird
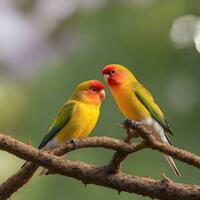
{"points": [[77, 117], [136, 103]]}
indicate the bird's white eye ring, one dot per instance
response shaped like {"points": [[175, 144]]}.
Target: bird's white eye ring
{"points": [[113, 72], [94, 89]]}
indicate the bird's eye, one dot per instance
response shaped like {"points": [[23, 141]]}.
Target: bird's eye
{"points": [[94, 89], [113, 72]]}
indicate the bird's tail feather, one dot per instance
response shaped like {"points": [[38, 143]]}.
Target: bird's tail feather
{"points": [[43, 172], [24, 164], [172, 165]]}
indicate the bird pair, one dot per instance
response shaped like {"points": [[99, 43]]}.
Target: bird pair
{"points": [[79, 114]]}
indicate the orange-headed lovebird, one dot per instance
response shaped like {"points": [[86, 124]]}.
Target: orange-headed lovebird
{"points": [[77, 117], [136, 103]]}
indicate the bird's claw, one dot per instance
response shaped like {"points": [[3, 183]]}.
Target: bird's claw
{"points": [[75, 142], [128, 124]]}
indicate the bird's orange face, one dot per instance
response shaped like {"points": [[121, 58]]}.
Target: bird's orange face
{"points": [[94, 92], [114, 74]]}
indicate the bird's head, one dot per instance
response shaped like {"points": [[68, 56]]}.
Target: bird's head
{"points": [[91, 91], [115, 74]]}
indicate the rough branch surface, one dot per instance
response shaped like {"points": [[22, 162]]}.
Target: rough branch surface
{"points": [[109, 175]]}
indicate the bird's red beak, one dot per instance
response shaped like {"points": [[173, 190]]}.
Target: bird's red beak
{"points": [[106, 77], [106, 74]]}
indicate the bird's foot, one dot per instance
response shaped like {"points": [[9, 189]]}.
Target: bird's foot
{"points": [[129, 126], [75, 142]]}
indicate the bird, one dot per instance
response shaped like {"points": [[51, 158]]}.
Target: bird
{"points": [[136, 103], [77, 117]]}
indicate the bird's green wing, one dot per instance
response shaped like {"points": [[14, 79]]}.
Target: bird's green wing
{"points": [[59, 122], [149, 103]]}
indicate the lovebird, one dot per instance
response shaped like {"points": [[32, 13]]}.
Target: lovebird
{"points": [[77, 117], [136, 103]]}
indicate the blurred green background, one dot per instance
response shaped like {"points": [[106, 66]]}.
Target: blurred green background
{"points": [[48, 47]]}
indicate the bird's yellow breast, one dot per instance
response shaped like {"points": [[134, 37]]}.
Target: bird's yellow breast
{"points": [[128, 103], [83, 120]]}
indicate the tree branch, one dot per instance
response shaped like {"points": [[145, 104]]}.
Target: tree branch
{"points": [[18, 180], [153, 143], [87, 173], [15, 182]]}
